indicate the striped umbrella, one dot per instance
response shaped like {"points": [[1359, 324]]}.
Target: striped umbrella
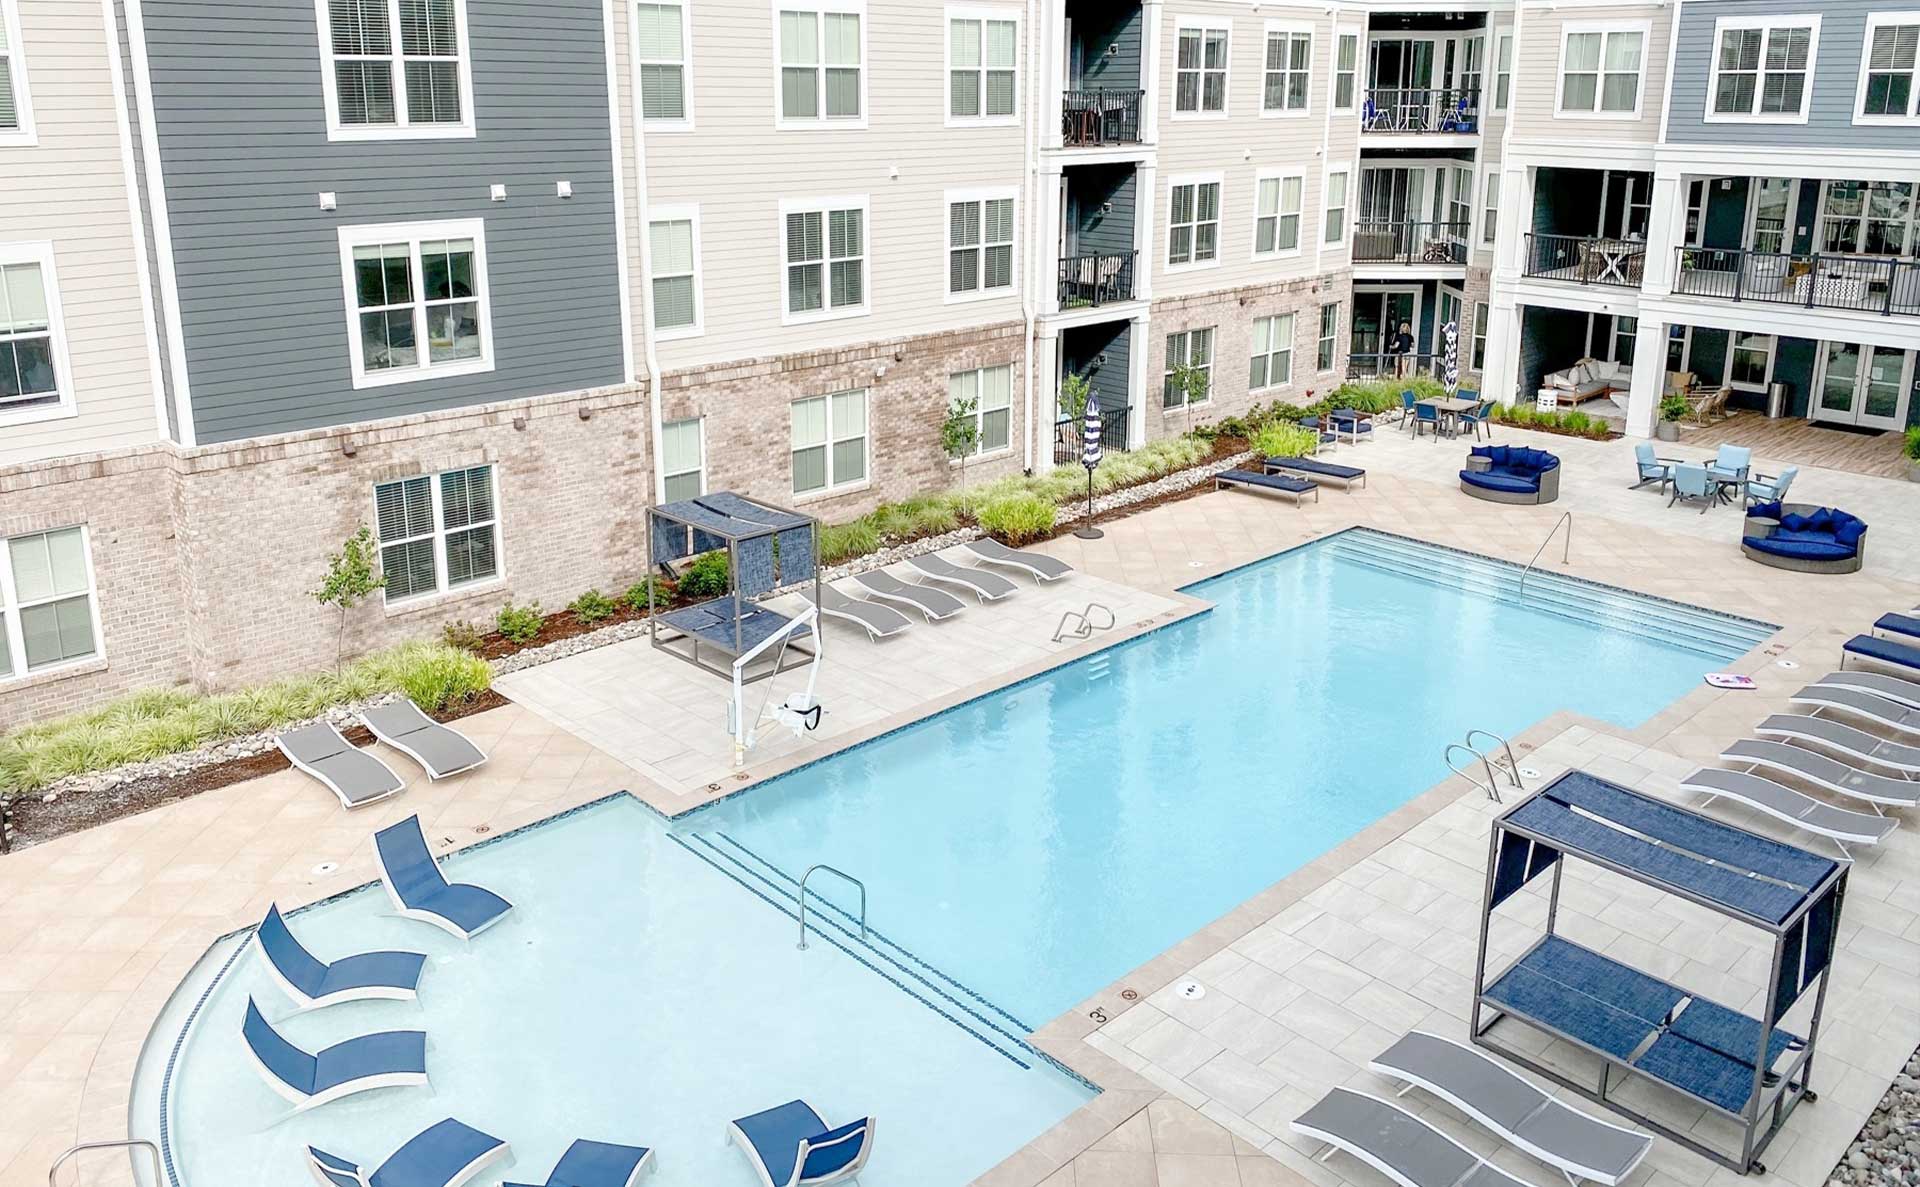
{"points": [[1090, 433], [1450, 375]]}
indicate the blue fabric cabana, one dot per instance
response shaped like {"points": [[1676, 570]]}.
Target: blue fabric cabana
{"points": [[767, 548]]}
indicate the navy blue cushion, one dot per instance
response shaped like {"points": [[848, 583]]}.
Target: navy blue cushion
{"points": [[1821, 520], [1764, 510], [1793, 523], [1810, 550], [1500, 454], [1847, 530], [1493, 480]]}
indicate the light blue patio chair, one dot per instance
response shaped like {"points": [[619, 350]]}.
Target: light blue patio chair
{"points": [[1426, 416], [1693, 484], [1651, 468], [1732, 463], [1762, 488]]}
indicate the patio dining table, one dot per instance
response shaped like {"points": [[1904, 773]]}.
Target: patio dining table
{"points": [[1450, 411]]}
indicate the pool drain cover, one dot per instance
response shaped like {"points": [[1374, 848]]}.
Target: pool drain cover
{"points": [[1191, 991], [325, 868], [1529, 773], [1788, 664]]}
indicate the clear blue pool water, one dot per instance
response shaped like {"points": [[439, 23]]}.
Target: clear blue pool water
{"points": [[1020, 853]]}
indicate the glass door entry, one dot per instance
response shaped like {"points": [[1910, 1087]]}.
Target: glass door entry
{"points": [[1864, 385]]}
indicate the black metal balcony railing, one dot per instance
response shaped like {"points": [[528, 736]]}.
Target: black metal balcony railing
{"points": [[1421, 110], [1410, 243], [1067, 436], [1089, 119], [1087, 281], [1585, 259], [1866, 284], [1383, 365]]}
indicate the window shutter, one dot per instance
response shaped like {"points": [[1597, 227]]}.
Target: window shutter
{"points": [[9, 115]]}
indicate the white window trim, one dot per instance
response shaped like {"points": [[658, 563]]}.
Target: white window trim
{"points": [[1773, 357], [1645, 29], [1166, 369], [701, 469], [1289, 28], [672, 214], [1292, 343], [1220, 222], [1318, 315], [1477, 338], [827, 311], [1821, 213], [1766, 24], [374, 234], [980, 450], [685, 123], [821, 122], [1300, 225], [1874, 21], [1000, 194], [1342, 169], [24, 136], [401, 129], [1203, 25], [1359, 36], [1502, 36], [1490, 186], [41, 253], [15, 637], [982, 14], [441, 590], [832, 489]]}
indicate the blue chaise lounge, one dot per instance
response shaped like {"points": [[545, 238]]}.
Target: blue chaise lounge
{"points": [[1511, 474], [445, 1154], [791, 1146], [1804, 538]]}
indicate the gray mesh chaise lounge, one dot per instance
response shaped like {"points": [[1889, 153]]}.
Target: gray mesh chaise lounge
{"points": [[1396, 1143], [356, 777], [936, 604], [439, 751], [878, 621], [1583, 1147], [1839, 825], [1905, 692], [1882, 712], [1038, 564], [1829, 773], [988, 587], [1844, 738]]}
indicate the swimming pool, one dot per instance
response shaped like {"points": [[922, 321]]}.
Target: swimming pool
{"points": [[1020, 853]]}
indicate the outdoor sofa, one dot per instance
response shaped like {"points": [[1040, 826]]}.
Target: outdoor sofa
{"points": [[1511, 474]]}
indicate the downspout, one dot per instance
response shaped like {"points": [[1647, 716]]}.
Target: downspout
{"points": [[1326, 139], [644, 321], [1028, 187]]}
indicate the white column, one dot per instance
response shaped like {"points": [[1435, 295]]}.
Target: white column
{"points": [[1514, 221], [1048, 245], [1052, 42], [1150, 17], [1146, 186], [1649, 375], [1500, 379], [1046, 404], [1139, 350], [1666, 232]]}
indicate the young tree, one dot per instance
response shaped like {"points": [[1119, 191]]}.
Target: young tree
{"points": [[960, 432], [1191, 382], [350, 580], [1074, 390]]}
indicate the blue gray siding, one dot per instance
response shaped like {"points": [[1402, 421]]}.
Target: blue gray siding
{"points": [[1082, 349], [241, 126], [1843, 30], [1090, 189], [1107, 41]]}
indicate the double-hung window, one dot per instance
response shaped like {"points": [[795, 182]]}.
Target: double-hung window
{"points": [[1188, 348], [1502, 71], [822, 55], [16, 107], [1336, 204], [663, 51], [1329, 337], [1750, 361], [1460, 202], [438, 532], [417, 301], [1193, 223], [673, 243], [983, 53], [826, 258], [1346, 70], [1482, 314], [683, 453], [1272, 353], [1490, 206], [1276, 222], [33, 361], [49, 614], [1602, 71], [396, 68], [1763, 68], [991, 391], [1289, 72], [1200, 70], [1890, 75], [979, 244], [829, 442]]}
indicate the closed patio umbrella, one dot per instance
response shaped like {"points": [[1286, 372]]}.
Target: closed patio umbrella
{"points": [[1090, 453], [1450, 372]]}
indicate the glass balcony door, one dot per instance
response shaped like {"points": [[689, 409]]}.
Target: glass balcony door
{"points": [[1864, 385]]}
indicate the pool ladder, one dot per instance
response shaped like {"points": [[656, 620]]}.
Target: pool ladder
{"points": [[1083, 623], [1492, 785], [153, 1152], [1566, 549], [842, 874]]}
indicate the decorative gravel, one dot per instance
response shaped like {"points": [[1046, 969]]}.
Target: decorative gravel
{"points": [[1887, 1152]]}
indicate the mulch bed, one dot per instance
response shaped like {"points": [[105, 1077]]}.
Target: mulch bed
{"points": [[562, 625], [35, 821]]}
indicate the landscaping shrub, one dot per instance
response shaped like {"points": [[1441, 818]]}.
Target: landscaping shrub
{"points": [[1281, 440], [592, 606], [462, 634], [1576, 421], [636, 595], [706, 577], [432, 676], [843, 541], [1911, 446], [1018, 518], [519, 624]]}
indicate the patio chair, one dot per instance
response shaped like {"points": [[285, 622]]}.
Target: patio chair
{"points": [[1651, 468], [1898, 624], [1581, 1145], [440, 751], [1396, 1143], [1476, 418], [1821, 771], [1763, 488], [1426, 416], [1885, 651], [1408, 403], [936, 604], [313, 983], [1038, 565], [445, 1154], [1280, 484], [880, 622], [1692, 484], [1732, 463], [355, 777], [1890, 715], [1842, 826], [420, 891], [1315, 470], [1354, 424], [392, 1059], [1901, 692], [598, 1164], [791, 1146], [1854, 743], [987, 587]]}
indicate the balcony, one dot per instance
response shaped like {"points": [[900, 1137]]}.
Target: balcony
{"points": [[1375, 364], [1087, 281], [1068, 442], [1421, 111], [1862, 284], [1586, 259], [1101, 117], [1410, 243]]}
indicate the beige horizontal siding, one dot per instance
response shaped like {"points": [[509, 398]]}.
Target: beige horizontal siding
{"points": [[1536, 76]]}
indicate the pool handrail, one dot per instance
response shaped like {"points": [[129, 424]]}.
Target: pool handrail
{"points": [[73, 1152], [858, 884], [1491, 786], [1566, 550]]}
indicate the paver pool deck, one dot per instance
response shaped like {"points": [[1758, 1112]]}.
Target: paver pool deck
{"points": [[1305, 981]]}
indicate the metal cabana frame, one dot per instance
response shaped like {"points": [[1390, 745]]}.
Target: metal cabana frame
{"points": [[1639, 1026]]}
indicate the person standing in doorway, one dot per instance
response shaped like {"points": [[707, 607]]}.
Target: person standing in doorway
{"points": [[1400, 347]]}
